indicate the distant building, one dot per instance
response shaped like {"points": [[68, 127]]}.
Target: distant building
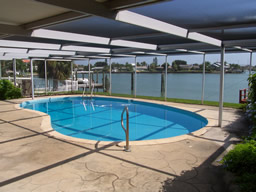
{"points": [[236, 71], [122, 69], [133, 66], [97, 68], [185, 67], [196, 66], [216, 66], [80, 69], [114, 70], [159, 68], [142, 68]]}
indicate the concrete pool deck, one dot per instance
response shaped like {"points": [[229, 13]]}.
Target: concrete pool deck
{"points": [[31, 159]]}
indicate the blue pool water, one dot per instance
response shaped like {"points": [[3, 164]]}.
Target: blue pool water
{"points": [[100, 118]]}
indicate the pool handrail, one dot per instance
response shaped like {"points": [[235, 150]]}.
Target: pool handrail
{"points": [[85, 87], [92, 89], [127, 147]]}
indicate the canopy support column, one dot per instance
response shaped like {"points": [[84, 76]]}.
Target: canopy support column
{"points": [[203, 80], [250, 68], [72, 75], [135, 77], [45, 76], [14, 71], [110, 77], [32, 78], [89, 75], [222, 71], [166, 68]]}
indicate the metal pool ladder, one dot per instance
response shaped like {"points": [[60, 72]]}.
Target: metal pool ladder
{"points": [[127, 147], [92, 89], [85, 88]]}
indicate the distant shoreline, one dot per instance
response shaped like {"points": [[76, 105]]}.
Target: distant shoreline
{"points": [[178, 72]]}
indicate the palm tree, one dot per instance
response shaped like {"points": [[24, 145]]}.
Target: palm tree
{"points": [[57, 70]]}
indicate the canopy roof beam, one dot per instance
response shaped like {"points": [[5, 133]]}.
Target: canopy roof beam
{"points": [[223, 27], [13, 30], [154, 24], [242, 43], [83, 6], [57, 19], [124, 4], [96, 8]]}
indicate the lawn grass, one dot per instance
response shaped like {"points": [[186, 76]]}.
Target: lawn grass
{"points": [[175, 100], [187, 101]]}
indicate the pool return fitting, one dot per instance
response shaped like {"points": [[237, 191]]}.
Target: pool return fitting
{"points": [[127, 147]]}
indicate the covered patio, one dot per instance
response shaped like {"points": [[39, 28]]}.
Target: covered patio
{"points": [[107, 29], [33, 160]]}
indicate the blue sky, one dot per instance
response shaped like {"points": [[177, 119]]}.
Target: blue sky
{"points": [[238, 58]]}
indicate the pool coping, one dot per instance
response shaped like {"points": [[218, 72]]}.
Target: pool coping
{"points": [[46, 125]]}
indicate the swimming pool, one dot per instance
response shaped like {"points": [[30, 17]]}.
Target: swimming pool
{"points": [[99, 118]]}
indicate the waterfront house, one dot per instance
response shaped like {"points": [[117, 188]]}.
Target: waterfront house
{"points": [[97, 68], [185, 67], [159, 68], [142, 68]]}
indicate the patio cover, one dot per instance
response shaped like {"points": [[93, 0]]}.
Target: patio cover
{"points": [[114, 28]]}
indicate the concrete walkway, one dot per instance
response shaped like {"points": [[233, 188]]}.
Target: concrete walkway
{"points": [[32, 160]]}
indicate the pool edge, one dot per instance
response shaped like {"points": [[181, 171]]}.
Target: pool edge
{"points": [[45, 125]]}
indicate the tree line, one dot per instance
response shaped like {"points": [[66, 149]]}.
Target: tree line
{"points": [[62, 69]]}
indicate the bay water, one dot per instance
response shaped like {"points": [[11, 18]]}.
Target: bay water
{"points": [[179, 85], [183, 85]]}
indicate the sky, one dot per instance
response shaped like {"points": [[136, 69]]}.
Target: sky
{"points": [[237, 58]]}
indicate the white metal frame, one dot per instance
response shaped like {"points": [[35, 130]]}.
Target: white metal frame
{"points": [[51, 34], [203, 80], [32, 78], [110, 77], [14, 71], [166, 77], [18, 49], [221, 98]]}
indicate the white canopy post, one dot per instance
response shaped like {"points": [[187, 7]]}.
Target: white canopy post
{"points": [[72, 68], [89, 75], [32, 78], [135, 77], [45, 76], [110, 77], [222, 71], [14, 71], [203, 80], [166, 75], [250, 69], [72, 75]]}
